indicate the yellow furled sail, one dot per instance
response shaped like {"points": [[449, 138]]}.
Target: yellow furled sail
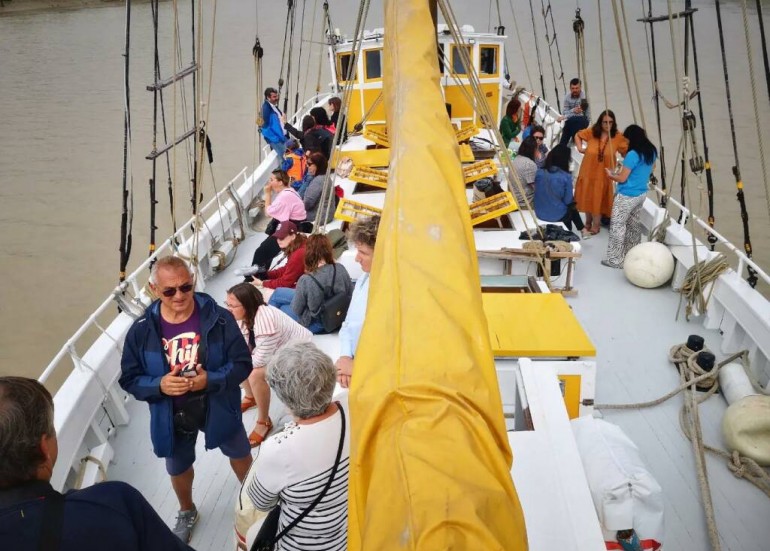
{"points": [[430, 461]]}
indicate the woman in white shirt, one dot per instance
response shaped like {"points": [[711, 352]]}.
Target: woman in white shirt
{"points": [[294, 467], [266, 329]]}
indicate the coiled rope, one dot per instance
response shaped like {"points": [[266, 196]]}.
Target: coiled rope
{"points": [[697, 277]]}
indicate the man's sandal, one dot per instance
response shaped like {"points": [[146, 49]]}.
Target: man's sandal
{"points": [[247, 403], [255, 439]]}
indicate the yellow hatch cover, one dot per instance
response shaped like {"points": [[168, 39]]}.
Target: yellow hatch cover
{"points": [[535, 325], [381, 156]]}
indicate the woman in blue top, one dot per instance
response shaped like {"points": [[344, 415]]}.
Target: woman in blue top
{"points": [[625, 227], [554, 200]]}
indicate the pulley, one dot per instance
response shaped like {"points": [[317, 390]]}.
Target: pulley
{"points": [[578, 24]]}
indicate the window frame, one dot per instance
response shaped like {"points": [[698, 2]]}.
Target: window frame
{"points": [[453, 58], [366, 53], [496, 48], [340, 73]]}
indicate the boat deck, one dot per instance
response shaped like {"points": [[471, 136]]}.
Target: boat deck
{"points": [[632, 367]]}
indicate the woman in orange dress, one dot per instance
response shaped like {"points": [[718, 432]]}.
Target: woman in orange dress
{"points": [[594, 191]]}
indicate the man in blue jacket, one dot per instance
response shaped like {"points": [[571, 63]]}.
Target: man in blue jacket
{"points": [[110, 515], [186, 357], [273, 121]]}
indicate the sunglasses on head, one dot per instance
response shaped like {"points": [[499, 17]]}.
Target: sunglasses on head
{"points": [[171, 291]]}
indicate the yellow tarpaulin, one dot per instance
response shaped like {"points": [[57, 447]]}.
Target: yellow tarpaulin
{"points": [[430, 461]]}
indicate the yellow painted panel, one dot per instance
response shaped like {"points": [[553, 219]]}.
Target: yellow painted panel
{"points": [[370, 176], [466, 153], [571, 391], [492, 95], [367, 157], [492, 207], [535, 325], [454, 95], [350, 211], [370, 96], [355, 114]]}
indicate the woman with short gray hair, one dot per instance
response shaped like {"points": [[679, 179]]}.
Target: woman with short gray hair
{"points": [[310, 457]]}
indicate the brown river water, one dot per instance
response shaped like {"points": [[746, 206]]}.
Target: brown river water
{"points": [[61, 130]]}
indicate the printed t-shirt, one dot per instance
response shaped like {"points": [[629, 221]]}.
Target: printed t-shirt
{"points": [[180, 344]]}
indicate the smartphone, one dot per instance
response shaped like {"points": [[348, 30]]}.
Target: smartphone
{"points": [[189, 370]]}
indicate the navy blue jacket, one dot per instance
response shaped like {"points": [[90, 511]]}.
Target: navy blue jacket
{"points": [[110, 515], [226, 360]]}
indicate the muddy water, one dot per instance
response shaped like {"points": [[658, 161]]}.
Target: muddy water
{"points": [[61, 132]]}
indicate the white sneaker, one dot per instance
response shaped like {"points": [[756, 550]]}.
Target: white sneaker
{"points": [[246, 270]]}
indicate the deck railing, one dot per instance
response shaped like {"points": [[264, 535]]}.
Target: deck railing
{"points": [[743, 260]]}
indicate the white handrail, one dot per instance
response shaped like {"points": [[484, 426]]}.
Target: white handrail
{"points": [[132, 280], [743, 259]]}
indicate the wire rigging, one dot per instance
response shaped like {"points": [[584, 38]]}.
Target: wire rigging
{"points": [[656, 97], [551, 43], [537, 51], [127, 214], [764, 45], [530, 82]]}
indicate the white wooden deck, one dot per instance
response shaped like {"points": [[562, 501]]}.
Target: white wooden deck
{"points": [[632, 329]]}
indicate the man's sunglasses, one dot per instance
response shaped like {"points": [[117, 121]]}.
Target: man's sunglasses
{"points": [[171, 291]]}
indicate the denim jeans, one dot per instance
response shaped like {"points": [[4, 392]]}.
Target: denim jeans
{"points": [[281, 299], [280, 149]]}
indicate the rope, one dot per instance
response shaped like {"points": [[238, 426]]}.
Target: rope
{"points": [[537, 51], [257, 51], [604, 78], [653, 59], [127, 215], [284, 49], [764, 44], [697, 277], [736, 170], [760, 139], [299, 55], [323, 213], [550, 54], [547, 246], [521, 46], [633, 65], [659, 232], [619, 33], [312, 42], [691, 375]]}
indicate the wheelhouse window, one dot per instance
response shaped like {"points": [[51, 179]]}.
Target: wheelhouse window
{"points": [[373, 62], [488, 60], [458, 67], [343, 66]]}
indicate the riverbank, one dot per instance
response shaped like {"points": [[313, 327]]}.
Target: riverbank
{"points": [[17, 7]]}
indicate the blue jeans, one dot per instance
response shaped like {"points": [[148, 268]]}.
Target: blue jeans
{"points": [[281, 299], [280, 149]]}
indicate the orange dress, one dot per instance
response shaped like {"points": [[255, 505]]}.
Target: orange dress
{"points": [[594, 192]]}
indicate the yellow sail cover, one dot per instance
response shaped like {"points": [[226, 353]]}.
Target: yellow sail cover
{"points": [[430, 461]]}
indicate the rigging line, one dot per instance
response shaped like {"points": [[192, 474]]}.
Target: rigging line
{"points": [[257, 52], [299, 55], [656, 97], [760, 139], [537, 51], [604, 78], [736, 170], [283, 50], [175, 27], [325, 28], [312, 42], [358, 41], [578, 26], [126, 217], [618, 31], [191, 154], [633, 65], [550, 56], [710, 237], [530, 82], [288, 62], [701, 466], [505, 159], [555, 42], [764, 45], [164, 124]]}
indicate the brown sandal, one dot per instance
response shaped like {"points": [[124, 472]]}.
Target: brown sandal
{"points": [[247, 403], [255, 439]]}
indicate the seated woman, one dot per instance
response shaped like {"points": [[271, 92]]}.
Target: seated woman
{"points": [[317, 165], [266, 329], [541, 151], [363, 234], [510, 125], [526, 169], [284, 204], [633, 179], [310, 458], [323, 278], [554, 201], [293, 246]]}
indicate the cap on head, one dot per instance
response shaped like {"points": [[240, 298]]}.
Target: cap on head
{"points": [[285, 229]]}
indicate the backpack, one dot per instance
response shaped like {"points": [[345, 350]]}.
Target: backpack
{"points": [[335, 306]]}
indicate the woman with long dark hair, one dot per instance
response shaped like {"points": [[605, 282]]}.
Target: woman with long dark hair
{"points": [[526, 170], [625, 226], [510, 126], [553, 191], [593, 189], [266, 329]]}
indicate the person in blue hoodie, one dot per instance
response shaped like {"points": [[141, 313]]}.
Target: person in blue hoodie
{"points": [[186, 358], [110, 515], [273, 122]]}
